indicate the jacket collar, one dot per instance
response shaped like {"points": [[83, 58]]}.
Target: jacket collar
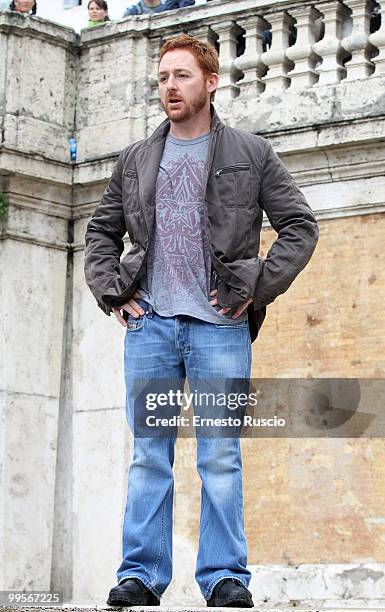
{"points": [[162, 130]]}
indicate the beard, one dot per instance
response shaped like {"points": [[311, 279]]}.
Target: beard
{"points": [[189, 109]]}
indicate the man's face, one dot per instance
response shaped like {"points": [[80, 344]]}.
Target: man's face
{"points": [[183, 89], [151, 3], [24, 6]]}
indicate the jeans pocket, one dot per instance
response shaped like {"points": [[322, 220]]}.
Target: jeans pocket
{"points": [[240, 325], [136, 324]]}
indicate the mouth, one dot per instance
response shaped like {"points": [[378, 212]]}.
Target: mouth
{"points": [[173, 101]]}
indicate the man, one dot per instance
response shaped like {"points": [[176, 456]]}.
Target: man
{"points": [[143, 7], [194, 293]]}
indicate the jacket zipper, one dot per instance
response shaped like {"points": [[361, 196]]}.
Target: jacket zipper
{"points": [[206, 177], [232, 169]]}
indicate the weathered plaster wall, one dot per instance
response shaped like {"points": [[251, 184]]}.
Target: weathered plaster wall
{"points": [[37, 96]]}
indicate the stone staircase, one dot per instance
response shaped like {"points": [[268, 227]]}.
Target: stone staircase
{"points": [[314, 606]]}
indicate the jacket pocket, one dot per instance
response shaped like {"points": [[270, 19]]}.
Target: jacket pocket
{"points": [[130, 192], [233, 185]]}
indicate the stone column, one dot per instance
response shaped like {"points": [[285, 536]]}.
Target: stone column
{"points": [[37, 92], [303, 74], [250, 62], [154, 107], [276, 79], [329, 48], [358, 43], [227, 32], [378, 40], [107, 90], [203, 33]]}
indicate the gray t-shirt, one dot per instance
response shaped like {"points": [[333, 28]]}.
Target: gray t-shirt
{"points": [[179, 272]]}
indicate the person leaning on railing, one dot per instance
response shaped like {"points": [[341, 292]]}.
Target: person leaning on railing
{"points": [[26, 7]]}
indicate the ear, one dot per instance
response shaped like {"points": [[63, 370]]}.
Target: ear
{"points": [[212, 82]]}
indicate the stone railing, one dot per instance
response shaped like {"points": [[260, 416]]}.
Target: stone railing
{"points": [[271, 46], [266, 50], [297, 45]]}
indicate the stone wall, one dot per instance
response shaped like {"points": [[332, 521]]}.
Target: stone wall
{"points": [[64, 442]]}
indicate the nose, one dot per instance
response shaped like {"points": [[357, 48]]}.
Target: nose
{"points": [[170, 82]]}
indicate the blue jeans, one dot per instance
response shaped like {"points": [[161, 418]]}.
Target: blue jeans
{"points": [[176, 347]]}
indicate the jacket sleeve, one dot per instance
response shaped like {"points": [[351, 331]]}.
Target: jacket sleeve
{"points": [[104, 239], [292, 218]]}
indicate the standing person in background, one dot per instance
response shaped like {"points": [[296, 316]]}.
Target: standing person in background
{"points": [[26, 7], [144, 6], [170, 5], [97, 13]]}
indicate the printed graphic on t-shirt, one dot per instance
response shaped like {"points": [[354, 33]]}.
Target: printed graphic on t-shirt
{"points": [[180, 253]]}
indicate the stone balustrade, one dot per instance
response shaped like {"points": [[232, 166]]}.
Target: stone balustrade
{"points": [[266, 47], [279, 56], [310, 43]]}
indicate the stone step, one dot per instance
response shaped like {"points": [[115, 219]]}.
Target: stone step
{"points": [[263, 608]]}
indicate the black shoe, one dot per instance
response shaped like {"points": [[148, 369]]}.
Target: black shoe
{"points": [[230, 593], [132, 592]]}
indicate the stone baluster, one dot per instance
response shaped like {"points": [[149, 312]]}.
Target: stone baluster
{"points": [[250, 62], [275, 58], [303, 74], [156, 43], [358, 43], [329, 48], [203, 33], [227, 32], [378, 39]]}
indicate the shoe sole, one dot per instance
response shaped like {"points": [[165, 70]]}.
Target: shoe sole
{"points": [[233, 603]]}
